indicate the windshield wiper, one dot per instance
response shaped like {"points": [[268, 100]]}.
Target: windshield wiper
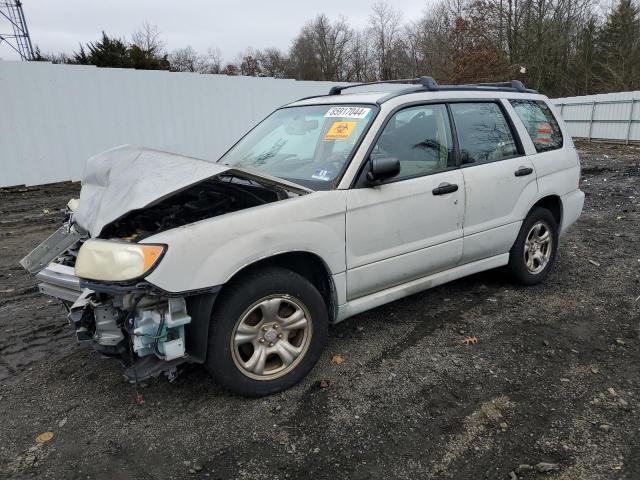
{"points": [[272, 152]]}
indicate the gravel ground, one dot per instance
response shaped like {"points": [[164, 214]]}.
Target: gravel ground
{"points": [[550, 390]]}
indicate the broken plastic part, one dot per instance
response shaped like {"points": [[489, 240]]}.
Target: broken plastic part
{"points": [[159, 330]]}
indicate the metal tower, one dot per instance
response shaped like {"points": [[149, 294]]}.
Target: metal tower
{"points": [[17, 36]]}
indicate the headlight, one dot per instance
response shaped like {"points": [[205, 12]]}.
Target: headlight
{"points": [[72, 204], [113, 261]]}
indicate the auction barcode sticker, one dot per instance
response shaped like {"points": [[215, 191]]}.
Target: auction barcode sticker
{"points": [[347, 112]]}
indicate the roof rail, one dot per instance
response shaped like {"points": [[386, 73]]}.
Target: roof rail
{"points": [[514, 84], [337, 89], [510, 86], [430, 84]]}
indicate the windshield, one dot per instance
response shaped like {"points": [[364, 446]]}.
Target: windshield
{"points": [[307, 145]]}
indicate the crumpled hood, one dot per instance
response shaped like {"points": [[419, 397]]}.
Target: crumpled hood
{"points": [[128, 178]]}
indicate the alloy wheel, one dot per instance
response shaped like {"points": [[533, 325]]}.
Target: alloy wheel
{"points": [[538, 246], [271, 337]]}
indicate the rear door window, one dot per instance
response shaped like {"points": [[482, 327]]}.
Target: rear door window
{"points": [[540, 124], [484, 134]]}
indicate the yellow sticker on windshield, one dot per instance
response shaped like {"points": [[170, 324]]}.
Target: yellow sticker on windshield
{"points": [[340, 130]]}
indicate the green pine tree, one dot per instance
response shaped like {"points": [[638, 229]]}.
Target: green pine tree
{"points": [[618, 64], [585, 58], [108, 52]]}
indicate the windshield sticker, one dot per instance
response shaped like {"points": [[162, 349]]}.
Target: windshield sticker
{"points": [[340, 130], [347, 112], [322, 175]]}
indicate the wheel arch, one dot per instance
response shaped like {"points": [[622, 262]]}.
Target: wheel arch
{"points": [[553, 203], [307, 264]]}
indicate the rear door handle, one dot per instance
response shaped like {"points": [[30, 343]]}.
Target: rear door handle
{"points": [[444, 188], [523, 171]]}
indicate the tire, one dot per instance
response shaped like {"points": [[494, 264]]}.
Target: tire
{"points": [[255, 346], [523, 265]]}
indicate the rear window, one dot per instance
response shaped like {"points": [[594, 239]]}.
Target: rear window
{"points": [[540, 123]]}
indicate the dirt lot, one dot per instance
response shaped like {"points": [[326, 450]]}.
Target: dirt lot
{"points": [[553, 378]]}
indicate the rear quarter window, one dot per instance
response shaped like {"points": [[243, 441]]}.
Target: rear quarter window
{"points": [[540, 124]]}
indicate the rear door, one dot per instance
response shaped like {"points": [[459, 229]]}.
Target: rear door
{"points": [[500, 181], [411, 225], [555, 160]]}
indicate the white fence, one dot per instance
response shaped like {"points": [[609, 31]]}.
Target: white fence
{"points": [[607, 117], [54, 117]]}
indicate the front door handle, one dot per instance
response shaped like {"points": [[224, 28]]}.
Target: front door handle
{"points": [[523, 171], [444, 188]]}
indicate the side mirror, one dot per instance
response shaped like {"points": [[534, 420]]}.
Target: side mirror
{"points": [[382, 168]]}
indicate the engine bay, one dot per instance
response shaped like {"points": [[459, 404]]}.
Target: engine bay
{"points": [[210, 198]]}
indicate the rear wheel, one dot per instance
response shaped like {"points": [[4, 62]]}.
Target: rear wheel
{"points": [[534, 252], [268, 331]]}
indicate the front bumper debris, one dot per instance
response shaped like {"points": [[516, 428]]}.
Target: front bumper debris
{"points": [[149, 332], [54, 246], [143, 327], [59, 281]]}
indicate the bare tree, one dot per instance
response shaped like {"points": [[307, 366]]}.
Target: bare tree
{"points": [[385, 24], [230, 69], [321, 51], [248, 63], [274, 63], [148, 39], [304, 64], [361, 66], [250, 66], [331, 44], [184, 60], [212, 61], [188, 60]]}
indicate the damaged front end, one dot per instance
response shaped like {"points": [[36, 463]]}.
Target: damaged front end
{"points": [[132, 320], [146, 331], [96, 263]]}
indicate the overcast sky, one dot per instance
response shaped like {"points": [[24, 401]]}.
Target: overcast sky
{"points": [[231, 25]]}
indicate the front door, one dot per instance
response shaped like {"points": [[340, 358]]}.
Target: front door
{"points": [[411, 225]]}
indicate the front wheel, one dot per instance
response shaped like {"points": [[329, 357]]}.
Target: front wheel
{"points": [[268, 331], [534, 252]]}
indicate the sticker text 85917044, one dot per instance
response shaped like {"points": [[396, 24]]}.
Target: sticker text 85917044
{"points": [[347, 112]]}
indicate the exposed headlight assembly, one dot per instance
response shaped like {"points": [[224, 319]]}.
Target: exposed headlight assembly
{"points": [[115, 261]]}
